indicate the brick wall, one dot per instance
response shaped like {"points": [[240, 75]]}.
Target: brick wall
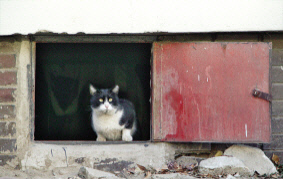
{"points": [[8, 82], [276, 146], [10, 68]]}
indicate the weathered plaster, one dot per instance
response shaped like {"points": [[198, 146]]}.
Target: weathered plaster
{"points": [[104, 156], [48, 156], [22, 102]]}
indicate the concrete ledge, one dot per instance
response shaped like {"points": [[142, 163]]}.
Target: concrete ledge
{"points": [[48, 156]]}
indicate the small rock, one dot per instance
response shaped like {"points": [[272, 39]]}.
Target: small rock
{"points": [[89, 173], [224, 165], [215, 153], [237, 175], [230, 177], [188, 160], [75, 177], [253, 158], [63, 172], [171, 176]]}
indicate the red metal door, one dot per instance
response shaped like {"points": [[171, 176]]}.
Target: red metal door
{"points": [[202, 92]]}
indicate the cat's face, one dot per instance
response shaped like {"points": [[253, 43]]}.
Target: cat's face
{"points": [[104, 101]]}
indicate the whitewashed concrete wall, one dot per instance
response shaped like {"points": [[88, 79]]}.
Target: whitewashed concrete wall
{"points": [[139, 16]]}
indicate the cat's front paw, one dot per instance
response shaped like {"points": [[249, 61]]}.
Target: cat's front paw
{"points": [[127, 138], [100, 138]]}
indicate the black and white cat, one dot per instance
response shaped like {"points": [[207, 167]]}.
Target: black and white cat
{"points": [[112, 118]]}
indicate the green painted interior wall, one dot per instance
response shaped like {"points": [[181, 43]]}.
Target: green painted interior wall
{"points": [[63, 74]]}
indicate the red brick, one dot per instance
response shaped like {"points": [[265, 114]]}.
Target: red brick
{"points": [[7, 111], [7, 61], [7, 95], [8, 78]]}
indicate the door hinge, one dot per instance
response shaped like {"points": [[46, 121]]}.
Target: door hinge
{"points": [[262, 95]]}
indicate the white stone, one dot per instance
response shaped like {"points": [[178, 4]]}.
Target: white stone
{"points": [[253, 158], [224, 165], [89, 173], [230, 177], [172, 176], [166, 176], [63, 172], [185, 161]]}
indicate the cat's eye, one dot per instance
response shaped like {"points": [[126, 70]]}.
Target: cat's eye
{"points": [[101, 100], [110, 99]]}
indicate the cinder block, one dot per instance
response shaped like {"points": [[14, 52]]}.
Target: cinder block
{"points": [[277, 91], [277, 74], [7, 61], [276, 143], [277, 108], [277, 125], [277, 57]]}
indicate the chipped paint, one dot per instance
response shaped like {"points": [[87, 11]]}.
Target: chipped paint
{"points": [[216, 108], [107, 157], [246, 129]]}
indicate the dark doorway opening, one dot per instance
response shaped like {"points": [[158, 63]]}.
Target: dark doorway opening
{"points": [[63, 74]]}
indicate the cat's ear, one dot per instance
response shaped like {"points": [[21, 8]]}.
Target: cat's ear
{"points": [[115, 89], [92, 89]]}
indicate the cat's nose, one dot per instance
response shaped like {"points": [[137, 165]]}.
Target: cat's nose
{"points": [[106, 106]]}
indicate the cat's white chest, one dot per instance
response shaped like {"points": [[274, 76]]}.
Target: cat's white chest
{"points": [[108, 125]]}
